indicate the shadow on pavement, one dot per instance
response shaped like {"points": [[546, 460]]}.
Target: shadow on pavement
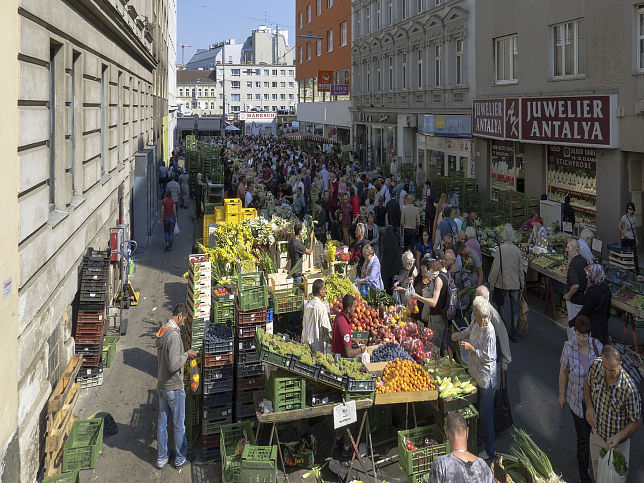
{"points": [[140, 359], [175, 293]]}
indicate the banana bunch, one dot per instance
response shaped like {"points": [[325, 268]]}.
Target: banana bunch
{"points": [[453, 386]]}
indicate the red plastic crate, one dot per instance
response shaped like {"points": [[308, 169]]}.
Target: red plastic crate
{"points": [[247, 383], [251, 317], [215, 360]]}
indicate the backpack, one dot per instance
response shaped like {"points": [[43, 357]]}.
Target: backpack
{"points": [[452, 304]]}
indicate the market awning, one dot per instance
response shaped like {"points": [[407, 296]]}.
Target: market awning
{"points": [[307, 136]]}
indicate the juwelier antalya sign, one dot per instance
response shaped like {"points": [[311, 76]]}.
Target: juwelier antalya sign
{"points": [[572, 120]]}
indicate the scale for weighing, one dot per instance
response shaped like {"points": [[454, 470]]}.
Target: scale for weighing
{"points": [[121, 252]]}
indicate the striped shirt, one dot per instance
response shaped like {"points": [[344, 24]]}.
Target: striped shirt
{"points": [[615, 405], [577, 366]]}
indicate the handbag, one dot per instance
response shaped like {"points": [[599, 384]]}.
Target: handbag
{"points": [[524, 308], [502, 410]]}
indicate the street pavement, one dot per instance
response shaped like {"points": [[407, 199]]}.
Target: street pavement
{"points": [[128, 391]]}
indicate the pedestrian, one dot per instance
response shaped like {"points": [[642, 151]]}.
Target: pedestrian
{"points": [[241, 188], [577, 355], [436, 305], [613, 405], [481, 348], [471, 263], [424, 247], [405, 278], [459, 466], [597, 302], [471, 241], [575, 279], [347, 218], [172, 397], [421, 179], [370, 275], [502, 339], [299, 204], [175, 191], [461, 280], [296, 250], [409, 223], [199, 187], [184, 179], [567, 213], [539, 232], [168, 218], [626, 228], [372, 233], [315, 322], [507, 278], [162, 175], [585, 243]]}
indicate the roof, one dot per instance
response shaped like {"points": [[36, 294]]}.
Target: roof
{"points": [[191, 76]]}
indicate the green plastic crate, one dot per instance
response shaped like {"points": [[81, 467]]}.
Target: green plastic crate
{"points": [[258, 463], [83, 445], [109, 349], [286, 392], [71, 477], [223, 309], [287, 300], [230, 435], [252, 291], [420, 460]]}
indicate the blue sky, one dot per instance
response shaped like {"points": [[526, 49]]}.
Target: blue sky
{"points": [[204, 22]]}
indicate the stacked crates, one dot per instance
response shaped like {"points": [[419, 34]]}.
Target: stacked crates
{"points": [[286, 391], [91, 317], [198, 301], [232, 210], [231, 434], [248, 213]]}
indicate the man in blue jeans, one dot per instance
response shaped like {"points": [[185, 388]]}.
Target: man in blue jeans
{"points": [[172, 396]]}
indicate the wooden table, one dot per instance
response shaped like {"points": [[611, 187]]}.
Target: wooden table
{"points": [[313, 412]]}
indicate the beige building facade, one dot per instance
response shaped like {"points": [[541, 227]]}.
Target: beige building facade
{"points": [[82, 96]]}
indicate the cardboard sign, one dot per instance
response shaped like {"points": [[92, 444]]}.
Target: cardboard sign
{"points": [[344, 414], [566, 227]]}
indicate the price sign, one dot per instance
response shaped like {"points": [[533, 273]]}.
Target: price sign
{"points": [[344, 414]]}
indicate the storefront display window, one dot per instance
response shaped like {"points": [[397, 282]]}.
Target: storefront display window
{"points": [[503, 168], [436, 163], [571, 172]]}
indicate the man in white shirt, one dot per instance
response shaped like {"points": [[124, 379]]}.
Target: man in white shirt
{"points": [[315, 323], [325, 176], [585, 242]]}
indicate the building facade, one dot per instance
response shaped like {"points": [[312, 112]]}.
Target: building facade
{"points": [[323, 67], [565, 120], [87, 99], [413, 74]]}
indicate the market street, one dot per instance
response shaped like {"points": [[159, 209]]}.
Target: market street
{"points": [[128, 390]]}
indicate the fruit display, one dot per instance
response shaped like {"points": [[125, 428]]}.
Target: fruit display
{"points": [[337, 286], [629, 297], [389, 352], [415, 340], [220, 292], [376, 298], [364, 317], [336, 365], [403, 376], [454, 387], [546, 261]]}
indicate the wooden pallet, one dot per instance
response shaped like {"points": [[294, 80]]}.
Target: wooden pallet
{"points": [[60, 418]]}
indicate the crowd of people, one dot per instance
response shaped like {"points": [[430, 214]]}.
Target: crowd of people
{"points": [[423, 246]]}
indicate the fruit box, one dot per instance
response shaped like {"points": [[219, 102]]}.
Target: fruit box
{"points": [[420, 459]]}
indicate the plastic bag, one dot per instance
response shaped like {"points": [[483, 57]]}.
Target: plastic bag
{"points": [[606, 471], [176, 228]]}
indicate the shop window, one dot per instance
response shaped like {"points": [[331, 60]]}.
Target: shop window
{"points": [[436, 163], [640, 38], [567, 51], [506, 54]]}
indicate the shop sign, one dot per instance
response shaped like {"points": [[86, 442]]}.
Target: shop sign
{"points": [[572, 157], [339, 89], [488, 116], [254, 116], [374, 117], [448, 126], [325, 79], [573, 120]]}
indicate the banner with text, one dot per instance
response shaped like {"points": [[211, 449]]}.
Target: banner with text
{"points": [[325, 79]]}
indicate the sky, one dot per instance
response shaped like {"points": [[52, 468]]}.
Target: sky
{"points": [[204, 22]]}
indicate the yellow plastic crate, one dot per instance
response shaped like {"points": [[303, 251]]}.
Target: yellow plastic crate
{"points": [[248, 213], [220, 213], [233, 218], [207, 221], [232, 206]]}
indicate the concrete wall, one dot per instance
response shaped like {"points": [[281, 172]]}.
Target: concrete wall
{"points": [[9, 270], [103, 114], [336, 113]]}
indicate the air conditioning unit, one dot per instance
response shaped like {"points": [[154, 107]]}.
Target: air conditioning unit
{"points": [[411, 121]]}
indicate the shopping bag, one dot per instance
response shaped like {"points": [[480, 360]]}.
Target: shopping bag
{"points": [[502, 410], [606, 469], [523, 314], [176, 228]]}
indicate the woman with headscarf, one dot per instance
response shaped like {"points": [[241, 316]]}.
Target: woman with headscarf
{"points": [[597, 302]]}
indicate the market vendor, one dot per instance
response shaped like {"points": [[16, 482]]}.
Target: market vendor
{"points": [[296, 250], [316, 320], [341, 334], [538, 231]]}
